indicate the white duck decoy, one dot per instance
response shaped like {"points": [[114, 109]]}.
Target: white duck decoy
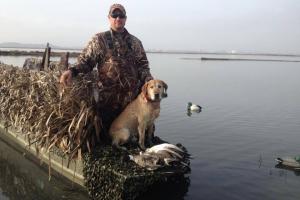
{"points": [[194, 107], [292, 162], [161, 155]]}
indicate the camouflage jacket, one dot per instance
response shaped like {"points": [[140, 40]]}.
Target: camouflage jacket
{"points": [[122, 66], [123, 48]]}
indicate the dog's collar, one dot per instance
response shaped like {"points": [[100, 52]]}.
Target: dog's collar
{"points": [[153, 101], [147, 99]]}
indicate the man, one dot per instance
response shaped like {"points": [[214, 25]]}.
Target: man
{"points": [[121, 62]]}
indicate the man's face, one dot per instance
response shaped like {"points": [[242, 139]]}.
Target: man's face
{"points": [[117, 20]]}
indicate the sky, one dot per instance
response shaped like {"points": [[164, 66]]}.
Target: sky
{"points": [[265, 26]]}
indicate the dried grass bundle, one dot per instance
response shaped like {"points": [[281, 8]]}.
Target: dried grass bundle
{"points": [[34, 103]]}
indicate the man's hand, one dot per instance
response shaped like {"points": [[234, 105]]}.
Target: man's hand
{"points": [[66, 78]]}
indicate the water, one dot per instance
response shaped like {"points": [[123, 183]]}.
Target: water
{"points": [[22, 179], [251, 115]]}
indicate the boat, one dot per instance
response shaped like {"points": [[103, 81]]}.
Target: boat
{"points": [[107, 168]]}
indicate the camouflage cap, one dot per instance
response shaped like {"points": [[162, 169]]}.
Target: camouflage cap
{"points": [[117, 6]]}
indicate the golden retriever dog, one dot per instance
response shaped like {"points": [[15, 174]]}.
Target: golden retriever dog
{"points": [[138, 117]]}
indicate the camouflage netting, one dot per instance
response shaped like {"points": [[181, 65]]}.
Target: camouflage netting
{"points": [[34, 102], [110, 175]]}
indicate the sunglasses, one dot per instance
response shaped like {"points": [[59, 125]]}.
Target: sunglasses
{"points": [[116, 15]]}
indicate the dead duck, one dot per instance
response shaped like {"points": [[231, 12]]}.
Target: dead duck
{"points": [[292, 162], [193, 107], [147, 161], [161, 155]]}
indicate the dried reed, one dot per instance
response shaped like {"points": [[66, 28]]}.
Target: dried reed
{"points": [[48, 115]]}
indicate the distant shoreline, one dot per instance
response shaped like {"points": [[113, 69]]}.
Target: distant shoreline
{"points": [[239, 59], [72, 53], [35, 53]]}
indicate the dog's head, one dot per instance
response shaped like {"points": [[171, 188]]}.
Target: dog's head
{"points": [[155, 90]]}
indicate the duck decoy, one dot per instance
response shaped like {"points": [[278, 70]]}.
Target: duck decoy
{"points": [[291, 162], [161, 155], [193, 107]]}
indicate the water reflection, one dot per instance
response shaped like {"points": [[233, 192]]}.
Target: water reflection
{"points": [[280, 166], [174, 189], [190, 113], [22, 179], [16, 185]]}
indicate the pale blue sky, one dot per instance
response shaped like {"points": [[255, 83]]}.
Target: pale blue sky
{"points": [[211, 25]]}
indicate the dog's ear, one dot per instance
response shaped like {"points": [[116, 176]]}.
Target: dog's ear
{"points": [[164, 95], [144, 91]]}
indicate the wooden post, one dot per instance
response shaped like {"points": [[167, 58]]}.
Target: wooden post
{"points": [[46, 58], [64, 61]]}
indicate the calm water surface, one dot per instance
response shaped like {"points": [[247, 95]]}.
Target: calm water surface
{"points": [[251, 115]]}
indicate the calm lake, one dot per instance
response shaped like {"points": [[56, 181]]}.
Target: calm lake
{"points": [[250, 116]]}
